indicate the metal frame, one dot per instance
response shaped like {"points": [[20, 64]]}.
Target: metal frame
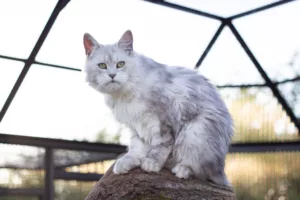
{"points": [[59, 6], [49, 174], [24, 192], [228, 22], [52, 174], [224, 22], [51, 144], [61, 144]]}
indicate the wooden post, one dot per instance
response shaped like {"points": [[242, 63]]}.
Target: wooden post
{"points": [[139, 185]]}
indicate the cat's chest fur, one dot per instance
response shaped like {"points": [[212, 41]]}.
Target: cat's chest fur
{"points": [[126, 111]]}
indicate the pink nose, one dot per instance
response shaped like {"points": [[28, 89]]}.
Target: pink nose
{"points": [[112, 75]]}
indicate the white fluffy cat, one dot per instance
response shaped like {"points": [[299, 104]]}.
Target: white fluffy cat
{"points": [[177, 118]]}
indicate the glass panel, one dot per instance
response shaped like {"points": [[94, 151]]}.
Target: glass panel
{"points": [[56, 103], [266, 176], [257, 116], [164, 34], [227, 63], [291, 92], [21, 24], [274, 39], [9, 72], [222, 8]]}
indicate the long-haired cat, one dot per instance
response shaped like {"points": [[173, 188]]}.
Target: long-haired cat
{"points": [[177, 118]]}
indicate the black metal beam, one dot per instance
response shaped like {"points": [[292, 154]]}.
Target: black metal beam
{"points": [[264, 147], [63, 175], [12, 58], [185, 9], [288, 80], [21, 191], [241, 86], [57, 66], [49, 174], [213, 16], [59, 6], [272, 5], [211, 43], [259, 85], [113, 148], [39, 63], [269, 83], [199, 63], [62, 144]]}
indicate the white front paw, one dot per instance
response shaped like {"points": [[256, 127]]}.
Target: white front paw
{"points": [[125, 163], [182, 171], [150, 165]]}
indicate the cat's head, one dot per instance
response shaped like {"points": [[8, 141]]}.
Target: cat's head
{"points": [[108, 67]]}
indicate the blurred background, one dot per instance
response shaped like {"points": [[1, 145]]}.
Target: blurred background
{"points": [[58, 137]]}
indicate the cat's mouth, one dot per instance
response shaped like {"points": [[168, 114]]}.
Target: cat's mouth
{"points": [[112, 82]]}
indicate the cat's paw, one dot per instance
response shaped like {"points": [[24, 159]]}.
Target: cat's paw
{"points": [[182, 171], [150, 165], [125, 163]]}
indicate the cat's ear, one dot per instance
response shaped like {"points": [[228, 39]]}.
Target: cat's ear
{"points": [[89, 43], [126, 41]]}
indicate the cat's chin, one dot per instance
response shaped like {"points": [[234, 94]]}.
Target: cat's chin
{"points": [[111, 87]]}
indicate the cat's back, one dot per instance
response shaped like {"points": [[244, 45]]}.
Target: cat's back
{"points": [[165, 86], [183, 73], [189, 80], [160, 75]]}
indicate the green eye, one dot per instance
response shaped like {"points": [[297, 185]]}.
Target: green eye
{"points": [[102, 66], [120, 64]]}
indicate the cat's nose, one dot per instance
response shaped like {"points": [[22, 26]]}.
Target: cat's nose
{"points": [[112, 75]]}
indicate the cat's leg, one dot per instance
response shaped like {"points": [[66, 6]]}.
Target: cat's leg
{"points": [[160, 149], [159, 140], [137, 151], [200, 152]]}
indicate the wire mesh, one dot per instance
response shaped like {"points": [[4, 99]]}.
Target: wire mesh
{"points": [[258, 118], [257, 115]]}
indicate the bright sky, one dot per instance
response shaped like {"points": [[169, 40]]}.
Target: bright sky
{"points": [[56, 103]]}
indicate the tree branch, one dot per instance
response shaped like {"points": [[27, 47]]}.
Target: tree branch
{"points": [[139, 185]]}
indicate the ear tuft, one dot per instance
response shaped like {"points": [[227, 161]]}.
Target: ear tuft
{"points": [[126, 41], [89, 43]]}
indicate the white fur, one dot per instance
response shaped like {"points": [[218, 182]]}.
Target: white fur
{"points": [[177, 118]]}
